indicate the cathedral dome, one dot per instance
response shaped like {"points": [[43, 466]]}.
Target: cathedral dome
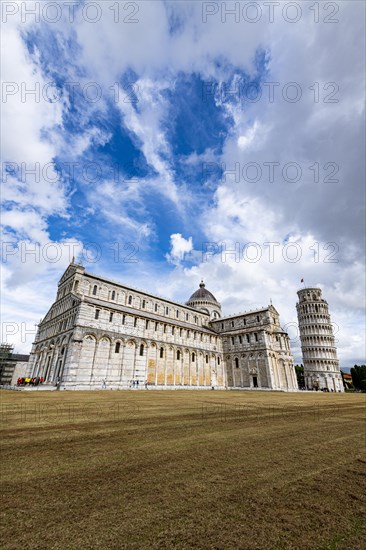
{"points": [[203, 300], [202, 294]]}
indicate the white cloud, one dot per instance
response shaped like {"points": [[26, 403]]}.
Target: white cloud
{"points": [[26, 119], [145, 123], [246, 140], [180, 247]]}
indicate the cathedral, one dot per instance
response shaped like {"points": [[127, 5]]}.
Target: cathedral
{"points": [[101, 334]]}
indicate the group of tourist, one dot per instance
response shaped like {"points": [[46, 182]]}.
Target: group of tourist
{"points": [[326, 390], [30, 381], [132, 384], [136, 384]]}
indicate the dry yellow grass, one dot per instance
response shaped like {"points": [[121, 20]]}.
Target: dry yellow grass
{"points": [[185, 469]]}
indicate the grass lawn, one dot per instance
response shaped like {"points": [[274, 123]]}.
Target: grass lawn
{"points": [[183, 469]]}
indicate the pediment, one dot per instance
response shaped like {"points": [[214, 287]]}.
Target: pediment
{"points": [[48, 315], [70, 271]]}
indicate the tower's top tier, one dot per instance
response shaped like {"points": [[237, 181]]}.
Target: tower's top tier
{"points": [[310, 295]]}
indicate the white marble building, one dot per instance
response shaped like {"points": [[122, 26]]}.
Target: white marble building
{"points": [[321, 365], [99, 333]]}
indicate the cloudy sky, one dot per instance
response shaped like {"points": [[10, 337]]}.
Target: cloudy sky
{"points": [[164, 142]]}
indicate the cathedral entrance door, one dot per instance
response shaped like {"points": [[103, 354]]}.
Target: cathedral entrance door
{"points": [[255, 382]]}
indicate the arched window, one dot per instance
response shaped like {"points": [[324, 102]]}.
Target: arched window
{"points": [[118, 347], [236, 363], [187, 316], [167, 311], [206, 358], [113, 297], [178, 354], [142, 349], [143, 304], [161, 353], [95, 288], [76, 285], [218, 360], [129, 300], [193, 357]]}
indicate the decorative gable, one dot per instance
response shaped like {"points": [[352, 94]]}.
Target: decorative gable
{"points": [[70, 272]]}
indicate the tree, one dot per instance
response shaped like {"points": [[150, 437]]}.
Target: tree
{"points": [[358, 373]]}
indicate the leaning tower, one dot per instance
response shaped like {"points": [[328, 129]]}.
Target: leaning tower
{"points": [[319, 352]]}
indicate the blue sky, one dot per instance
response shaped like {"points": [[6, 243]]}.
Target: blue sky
{"points": [[164, 160]]}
